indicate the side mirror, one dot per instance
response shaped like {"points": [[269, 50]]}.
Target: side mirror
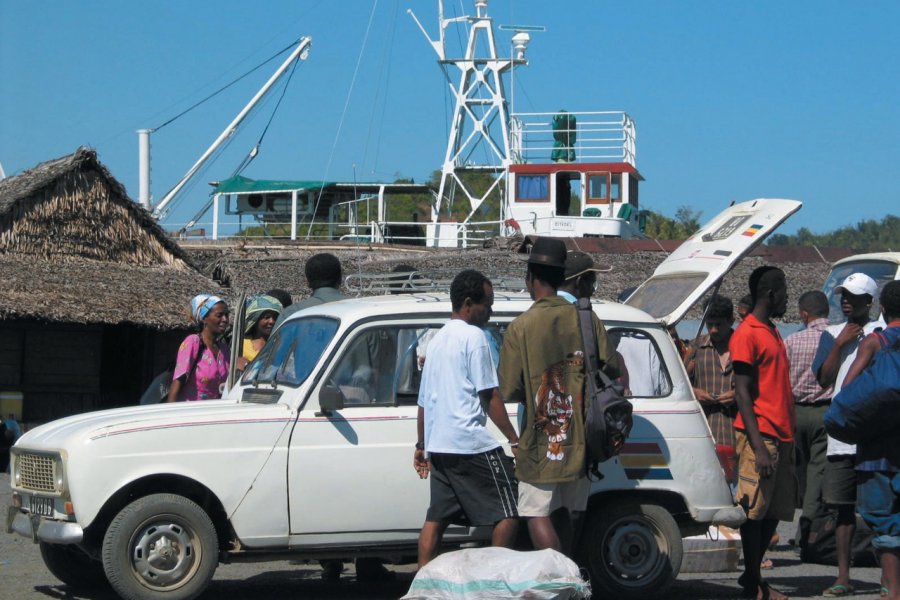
{"points": [[330, 398]]}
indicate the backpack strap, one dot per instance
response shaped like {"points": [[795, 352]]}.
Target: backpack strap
{"points": [[591, 361]]}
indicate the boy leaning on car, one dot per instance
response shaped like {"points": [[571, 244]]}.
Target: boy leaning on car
{"points": [[471, 476]]}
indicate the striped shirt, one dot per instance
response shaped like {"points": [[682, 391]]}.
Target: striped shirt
{"points": [[801, 349], [707, 373]]}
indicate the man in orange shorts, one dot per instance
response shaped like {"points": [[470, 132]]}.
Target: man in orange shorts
{"points": [[764, 436]]}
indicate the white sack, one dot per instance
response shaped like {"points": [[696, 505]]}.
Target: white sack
{"points": [[492, 573]]}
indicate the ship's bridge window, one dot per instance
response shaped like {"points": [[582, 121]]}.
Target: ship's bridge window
{"points": [[532, 188], [604, 188]]}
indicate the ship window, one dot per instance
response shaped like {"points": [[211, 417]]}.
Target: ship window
{"points": [[532, 188], [615, 187], [598, 188]]}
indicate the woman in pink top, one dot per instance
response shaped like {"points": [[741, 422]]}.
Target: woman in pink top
{"points": [[203, 358]]}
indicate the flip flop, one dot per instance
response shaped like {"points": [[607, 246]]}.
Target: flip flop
{"points": [[885, 592], [767, 564], [838, 590]]}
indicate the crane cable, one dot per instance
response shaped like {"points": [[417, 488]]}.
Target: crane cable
{"points": [[337, 135]]}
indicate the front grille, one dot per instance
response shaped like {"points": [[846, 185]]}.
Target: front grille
{"points": [[36, 472]]}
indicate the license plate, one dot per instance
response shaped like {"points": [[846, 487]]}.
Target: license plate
{"points": [[42, 506]]}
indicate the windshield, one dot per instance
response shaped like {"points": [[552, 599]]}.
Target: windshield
{"points": [[291, 353], [660, 296], [880, 270]]}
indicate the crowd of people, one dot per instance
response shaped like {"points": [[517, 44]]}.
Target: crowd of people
{"points": [[763, 396]]}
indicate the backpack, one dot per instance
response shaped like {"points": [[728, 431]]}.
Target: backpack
{"points": [[608, 414], [868, 408]]}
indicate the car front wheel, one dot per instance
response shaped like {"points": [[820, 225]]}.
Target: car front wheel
{"points": [[633, 550], [161, 546]]}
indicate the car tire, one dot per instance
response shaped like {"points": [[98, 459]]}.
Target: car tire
{"points": [[632, 550], [71, 565], [161, 546]]}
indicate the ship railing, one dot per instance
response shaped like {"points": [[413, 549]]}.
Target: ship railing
{"points": [[605, 136]]}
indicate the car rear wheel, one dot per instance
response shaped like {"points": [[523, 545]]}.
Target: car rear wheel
{"points": [[632, 550], [162, 546], [71, 565]]}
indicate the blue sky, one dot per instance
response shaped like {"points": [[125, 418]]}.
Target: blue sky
{"points": [[732, 100]]}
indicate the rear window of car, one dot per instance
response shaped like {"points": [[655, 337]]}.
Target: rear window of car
{"points": [[290, 355]]}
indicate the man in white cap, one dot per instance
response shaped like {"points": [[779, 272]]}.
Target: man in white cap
{"points": [[836, 352]]}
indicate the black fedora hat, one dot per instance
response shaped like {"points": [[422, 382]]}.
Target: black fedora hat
{"points": [[547, 251]]}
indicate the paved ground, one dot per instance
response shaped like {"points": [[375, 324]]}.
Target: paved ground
{"points": [[24, 577]]}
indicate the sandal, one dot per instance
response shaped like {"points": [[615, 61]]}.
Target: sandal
{"points": [[838, 590], [767, 564], [885, 592]]}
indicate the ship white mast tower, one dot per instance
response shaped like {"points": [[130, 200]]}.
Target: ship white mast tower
{"points": [[480, 120]]}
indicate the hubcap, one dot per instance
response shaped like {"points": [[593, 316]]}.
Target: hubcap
{"points": [[164, 554], [632, 551]]}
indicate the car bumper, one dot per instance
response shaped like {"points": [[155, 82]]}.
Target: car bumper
{"points": [[732, 516], [42, 529]]}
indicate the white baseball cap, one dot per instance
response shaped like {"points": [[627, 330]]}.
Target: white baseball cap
{"points": [[858, 284]]}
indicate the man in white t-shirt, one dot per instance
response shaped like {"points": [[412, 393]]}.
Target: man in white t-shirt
{"points": [[472, 479], [836, 352]]}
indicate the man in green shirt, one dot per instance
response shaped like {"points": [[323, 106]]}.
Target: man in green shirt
{"points": [[542, 366]]}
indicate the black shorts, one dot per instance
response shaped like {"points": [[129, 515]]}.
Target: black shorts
{"points": [[472, 489], [839, 483]]}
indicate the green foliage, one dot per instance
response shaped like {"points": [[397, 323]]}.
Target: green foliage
{"points": [[661, 227], [865, 236]]}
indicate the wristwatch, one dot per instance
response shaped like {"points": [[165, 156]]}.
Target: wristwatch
{"points": [[420, 445]]}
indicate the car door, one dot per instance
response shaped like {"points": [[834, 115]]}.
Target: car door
{"points": [[350, 471]]}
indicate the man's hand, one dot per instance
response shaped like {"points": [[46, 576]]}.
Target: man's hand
{"points": [[420, 464], [726, 398], [849, 333], [703, 396], [765, 464]]}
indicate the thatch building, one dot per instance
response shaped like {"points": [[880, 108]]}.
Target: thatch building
{"points": [[94, 294]]}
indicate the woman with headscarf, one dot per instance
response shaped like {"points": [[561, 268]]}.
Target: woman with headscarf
{"points": [[262, 312], [201, 368]]}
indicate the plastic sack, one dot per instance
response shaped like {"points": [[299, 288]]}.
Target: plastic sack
{"points": [[490, 573]]}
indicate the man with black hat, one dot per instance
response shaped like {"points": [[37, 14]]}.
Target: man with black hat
{"points": [[542, 366]]}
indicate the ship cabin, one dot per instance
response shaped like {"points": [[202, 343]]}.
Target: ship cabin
{"points": [[324, 210], [574, 175]]}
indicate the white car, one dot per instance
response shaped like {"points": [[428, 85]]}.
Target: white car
{"points": [[311, 451]]}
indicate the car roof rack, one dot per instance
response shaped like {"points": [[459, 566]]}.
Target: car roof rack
{"points": [[434, 280]]}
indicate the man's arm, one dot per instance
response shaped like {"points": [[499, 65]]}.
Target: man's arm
{"points": [[867, 349], [744, 379], [496, 412], [420, 463], [827, 372], [606, 354]]}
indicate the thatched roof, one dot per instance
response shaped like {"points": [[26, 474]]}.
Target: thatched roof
{"points": [[86, 291], [74, 248], [72, 207], [260, 267]]}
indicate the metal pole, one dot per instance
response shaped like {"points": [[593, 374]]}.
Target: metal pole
{"points": [[229, 131], [144, 167]]}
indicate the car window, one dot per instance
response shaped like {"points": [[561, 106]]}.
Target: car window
{"points": [[382, 365], [645, 373], [291, 353]]}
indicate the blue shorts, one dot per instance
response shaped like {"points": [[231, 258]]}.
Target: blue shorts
{"points": [[878, 502]]}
